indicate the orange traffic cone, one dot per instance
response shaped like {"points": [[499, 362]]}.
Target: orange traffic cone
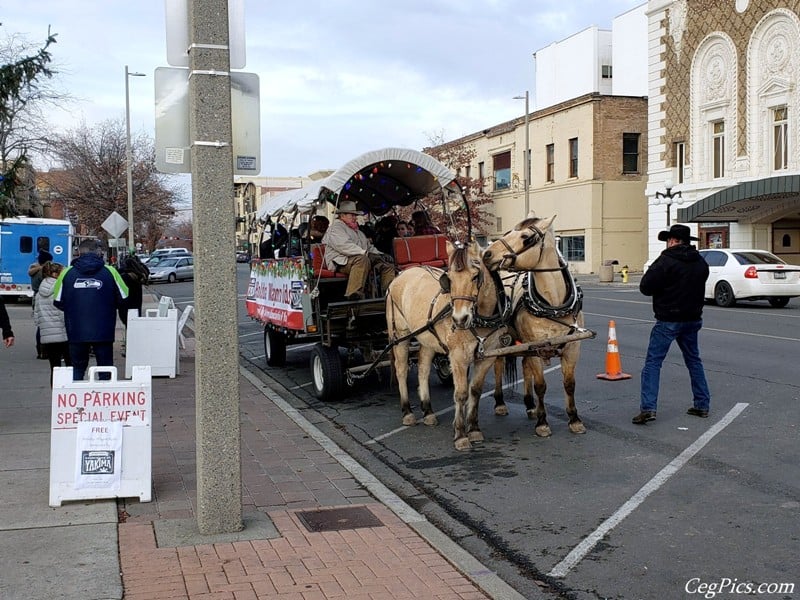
{"points": [[613, 365]]}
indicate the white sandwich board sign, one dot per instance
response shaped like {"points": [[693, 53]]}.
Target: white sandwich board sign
{"points": [[101, 436]]}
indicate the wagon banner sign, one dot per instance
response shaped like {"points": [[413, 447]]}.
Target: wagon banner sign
{"points": [[274, 294]]}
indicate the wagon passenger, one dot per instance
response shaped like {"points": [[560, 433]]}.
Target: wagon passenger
{"points": [[348, 251]]}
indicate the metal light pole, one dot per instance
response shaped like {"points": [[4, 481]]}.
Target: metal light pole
{"points": [[669, 198], [527, 183], [128, 159]]}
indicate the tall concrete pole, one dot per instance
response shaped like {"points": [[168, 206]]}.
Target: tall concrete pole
{"points": [[219, 461]]}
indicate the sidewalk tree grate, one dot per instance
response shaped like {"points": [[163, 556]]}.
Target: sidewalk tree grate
{"points": [[338, 519]]}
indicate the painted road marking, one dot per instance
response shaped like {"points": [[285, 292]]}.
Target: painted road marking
{"points": [[581, 550]]}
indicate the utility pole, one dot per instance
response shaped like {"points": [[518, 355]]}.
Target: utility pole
{"points": [[219, 461]]}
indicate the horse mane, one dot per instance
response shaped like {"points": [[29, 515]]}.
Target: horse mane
{"points": [[528, 222], [460, 259]]}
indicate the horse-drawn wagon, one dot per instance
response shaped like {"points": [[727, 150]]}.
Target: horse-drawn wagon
{"points": [[299, 300]]}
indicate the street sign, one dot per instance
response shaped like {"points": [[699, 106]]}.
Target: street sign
{"points": [[172, 122], [115, 225]]}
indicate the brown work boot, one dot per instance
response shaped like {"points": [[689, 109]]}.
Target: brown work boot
{"points": [[643, 417]]}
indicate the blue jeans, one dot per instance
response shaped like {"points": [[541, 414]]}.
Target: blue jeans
{"points": [[661, 337], [79, 353]]}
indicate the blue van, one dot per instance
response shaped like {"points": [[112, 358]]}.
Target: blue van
{"points": [[21, 239]]}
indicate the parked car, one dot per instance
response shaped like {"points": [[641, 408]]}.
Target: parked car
{"points": [[173, 269], [242, 257], [169, 252], [750, 275]]}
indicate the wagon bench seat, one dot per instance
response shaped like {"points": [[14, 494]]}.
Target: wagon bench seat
{"points": [[420, 250], [318, 265]]}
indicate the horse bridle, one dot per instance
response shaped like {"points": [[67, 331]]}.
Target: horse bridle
{"points": [[527, 244]]}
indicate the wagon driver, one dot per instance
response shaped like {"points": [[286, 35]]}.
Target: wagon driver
{"points": [[348, 251]]}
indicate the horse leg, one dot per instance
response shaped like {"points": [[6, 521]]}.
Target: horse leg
{"points": [[424, 362], [569, 360], [400, 359], [534, 372], [460, 365], [500, 408], [480, 369]]}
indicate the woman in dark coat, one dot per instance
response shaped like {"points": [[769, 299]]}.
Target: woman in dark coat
{"points": [[135, 275]]}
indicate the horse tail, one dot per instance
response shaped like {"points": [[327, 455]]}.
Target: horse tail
{"points": [[511, 371]]}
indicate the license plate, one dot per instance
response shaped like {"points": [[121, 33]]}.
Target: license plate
{"points": [[779, 275]]}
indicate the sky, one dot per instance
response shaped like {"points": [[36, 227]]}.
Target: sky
{"points": [[337, 77]]}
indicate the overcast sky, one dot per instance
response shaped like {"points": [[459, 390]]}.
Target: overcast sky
{"points": [[337, 77]]}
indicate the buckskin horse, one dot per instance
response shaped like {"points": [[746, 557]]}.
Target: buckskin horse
{"points": [[545, 303], [462, 320]]}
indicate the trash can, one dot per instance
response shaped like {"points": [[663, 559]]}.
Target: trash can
{"points": [[607, 271]]}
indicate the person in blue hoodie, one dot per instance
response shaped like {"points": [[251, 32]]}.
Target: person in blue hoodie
{"points": [[90, 292]]}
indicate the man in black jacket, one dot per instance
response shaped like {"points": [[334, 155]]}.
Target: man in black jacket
{"points": [[676, 280], [5, 326]]}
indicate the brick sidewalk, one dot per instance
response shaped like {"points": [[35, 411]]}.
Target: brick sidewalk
{"points": [[284, 474]]}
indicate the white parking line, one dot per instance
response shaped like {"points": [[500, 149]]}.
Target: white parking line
{"points": [[388, 434], [582, 549]]}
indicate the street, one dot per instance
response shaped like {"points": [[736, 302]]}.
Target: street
{"points": [[623, 511]]}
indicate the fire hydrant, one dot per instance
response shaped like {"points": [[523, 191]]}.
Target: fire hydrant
{"points": [[624, 272]]}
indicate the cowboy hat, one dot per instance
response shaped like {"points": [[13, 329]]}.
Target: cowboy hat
{"points": [[679, 232], [347, 207]]}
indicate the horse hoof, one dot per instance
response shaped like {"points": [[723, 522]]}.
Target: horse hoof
{"points": [[430, 420], [531, 414], [409, 420], [577, 427], [501, 411], [463, 444], [475, 437], [543, 431]]}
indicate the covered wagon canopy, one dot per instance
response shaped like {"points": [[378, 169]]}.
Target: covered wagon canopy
{"points": [[377, 181]]}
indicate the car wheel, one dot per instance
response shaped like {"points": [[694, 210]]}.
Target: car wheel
{"points": [[172, 278], [778, 302], [723, 294]]}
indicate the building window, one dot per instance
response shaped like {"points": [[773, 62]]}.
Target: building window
{"points": [[680, 161], [630, 152], [573, 157], [502, 171], [605, 71], [551, 157], [573, 247], [467, 171], [718, 149], [780, 139], [499, 223], [481, 171]]}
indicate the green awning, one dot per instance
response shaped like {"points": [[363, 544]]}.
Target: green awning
{"points": [[762, 200]]}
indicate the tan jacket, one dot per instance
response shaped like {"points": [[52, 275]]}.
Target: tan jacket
{"points": [[341, 243]]}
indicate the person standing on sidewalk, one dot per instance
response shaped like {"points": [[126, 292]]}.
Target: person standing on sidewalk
{"points": [[676, 280], [5, 325], [50, 320], [35, 273], [89, 292]]}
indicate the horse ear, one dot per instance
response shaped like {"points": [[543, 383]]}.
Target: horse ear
{"points": [[475, 248], [449, 248], [531, 214], [546, 223], [444, 283]]}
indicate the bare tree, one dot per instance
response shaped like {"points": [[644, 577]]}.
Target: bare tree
{"points": [[93, 184], [22, 127]]}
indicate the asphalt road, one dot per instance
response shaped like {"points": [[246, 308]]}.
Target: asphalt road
{"points": [[624, 511]]}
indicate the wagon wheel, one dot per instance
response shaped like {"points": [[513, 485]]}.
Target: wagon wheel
{"points": [[723, 294], [444, 372], [778, 301], [274, 347], [327, 373]]}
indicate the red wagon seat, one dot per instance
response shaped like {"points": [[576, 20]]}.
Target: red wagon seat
{"points": [[430, 250], [318, 265]]}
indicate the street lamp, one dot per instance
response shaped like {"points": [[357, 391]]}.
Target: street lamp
{"points": [[669, 198], [527, 154], [129, 160]]}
